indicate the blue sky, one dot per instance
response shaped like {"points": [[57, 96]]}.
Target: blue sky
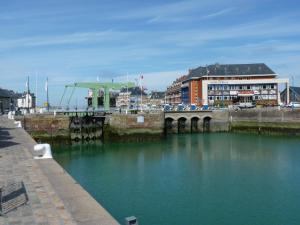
{"points": [[72, 40]]}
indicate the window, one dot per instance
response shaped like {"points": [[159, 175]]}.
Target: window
{"points": [[264, 86], [272, 86], [240, 87], [248, 87]]}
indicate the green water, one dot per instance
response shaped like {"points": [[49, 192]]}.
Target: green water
{"points": [[209, 179]]}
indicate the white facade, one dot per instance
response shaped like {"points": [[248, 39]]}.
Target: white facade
{"points": [[26, 101], [255, 89], [123, 100]]}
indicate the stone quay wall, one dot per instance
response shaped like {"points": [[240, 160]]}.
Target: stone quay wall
{"points": [[266, 121], [120, 127], [142, 126], [220, 121], [149, 126], [46, 126], [262, 121]]}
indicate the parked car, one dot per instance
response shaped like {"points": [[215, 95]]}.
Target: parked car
{"points": [[205, 107], [167, 107], [180, 107], [193, 107], [245, 105], [294, 105]]}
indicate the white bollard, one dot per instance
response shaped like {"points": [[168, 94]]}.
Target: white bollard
{"points": [[10, 115], [45, 150], [18, 123]]}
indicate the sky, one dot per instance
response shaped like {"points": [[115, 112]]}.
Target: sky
{"points": [[79, 40]]}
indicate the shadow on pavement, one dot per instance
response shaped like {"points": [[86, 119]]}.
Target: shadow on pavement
{"points": [[4, 137]]}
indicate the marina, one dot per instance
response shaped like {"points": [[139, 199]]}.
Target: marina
{"points": [[149, 112]]}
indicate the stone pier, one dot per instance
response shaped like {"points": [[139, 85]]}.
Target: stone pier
{"points": [[54, 196]]}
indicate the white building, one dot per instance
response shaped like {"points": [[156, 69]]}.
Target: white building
{"points": [[131, 98], [233, 83], [26, 101]]}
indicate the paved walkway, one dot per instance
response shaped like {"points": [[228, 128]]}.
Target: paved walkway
{"points": [[54, 197]]}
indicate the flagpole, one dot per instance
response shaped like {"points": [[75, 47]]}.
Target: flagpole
{"points": [[127, 97], [28, 84], [47, 94], [27, 99], [36, 94], [141, 93]]}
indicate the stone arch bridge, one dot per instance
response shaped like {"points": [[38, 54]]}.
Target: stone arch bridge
{"points": [[196, 121]]}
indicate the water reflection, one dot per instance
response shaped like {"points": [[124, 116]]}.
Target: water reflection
{"points": [[199, 178]]}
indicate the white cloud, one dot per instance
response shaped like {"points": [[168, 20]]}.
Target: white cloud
{"points": [[257, 29], [176, 11], [73, 38], [164, 10], [221, 12], [265, 47]]}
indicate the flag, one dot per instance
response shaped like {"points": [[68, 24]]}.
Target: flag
{"points": [[27, 82], [46, 85]]}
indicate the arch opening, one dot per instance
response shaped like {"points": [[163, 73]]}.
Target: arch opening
{"points": [[194, 124], [206, 124], [182, 125], [169, 125]]}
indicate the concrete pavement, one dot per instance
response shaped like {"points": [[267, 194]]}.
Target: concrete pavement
{"points": [[54, 196]]}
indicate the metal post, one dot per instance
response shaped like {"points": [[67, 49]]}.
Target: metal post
{"points": [[287, 93], [127, 96], [47, 95], [36, 92], [141, 94], [95, 98], [27, 99], [106, 98]]}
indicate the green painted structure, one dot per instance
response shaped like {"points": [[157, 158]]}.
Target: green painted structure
{"points": [[96, 87]]}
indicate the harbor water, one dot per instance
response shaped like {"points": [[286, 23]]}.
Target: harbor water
{"points": [[193, 179]]}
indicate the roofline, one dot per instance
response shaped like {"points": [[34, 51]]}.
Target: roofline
{"points": [[250, 75], [270, 74]]}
